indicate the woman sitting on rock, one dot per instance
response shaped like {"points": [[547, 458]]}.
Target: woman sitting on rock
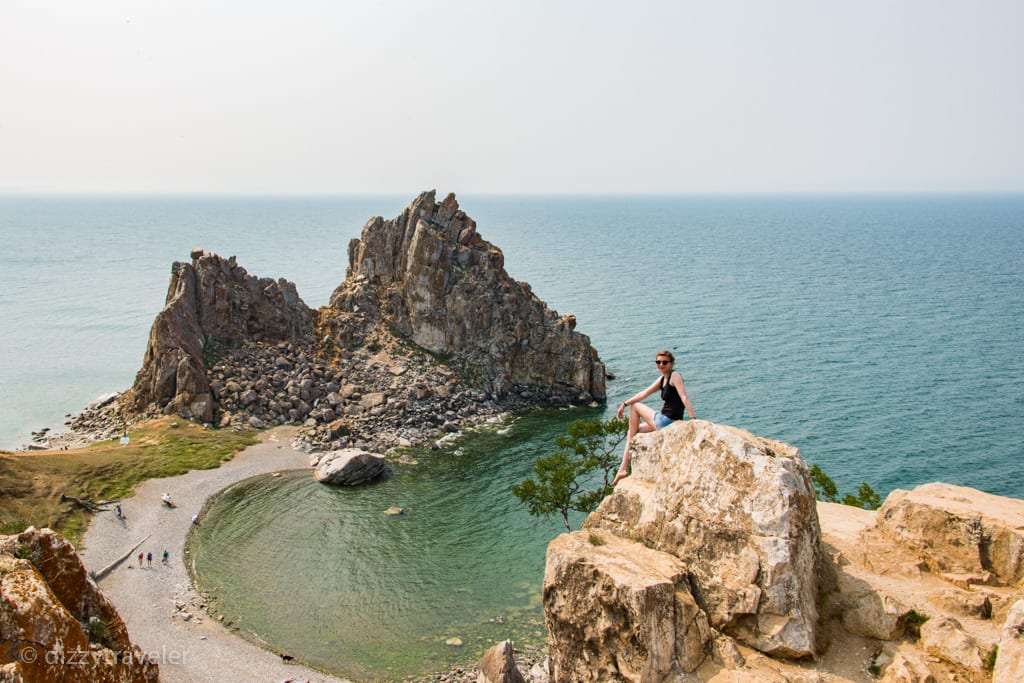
{"points": [[642, 418]]}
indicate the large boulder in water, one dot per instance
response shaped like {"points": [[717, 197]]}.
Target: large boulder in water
{"points": [[349, 467]]}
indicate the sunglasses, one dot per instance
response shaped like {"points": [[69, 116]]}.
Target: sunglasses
{"points": [[663, 362]]}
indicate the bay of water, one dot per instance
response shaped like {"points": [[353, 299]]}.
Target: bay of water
{"points": [[882, 336]]}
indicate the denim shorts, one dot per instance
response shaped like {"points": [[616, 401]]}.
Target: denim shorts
{"points": [[661, 421]]}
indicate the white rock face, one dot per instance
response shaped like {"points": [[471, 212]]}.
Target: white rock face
{"points": [[616, 610], [927, 588], [349, 467], [1010, 663], [739, 512], [957, 530]]}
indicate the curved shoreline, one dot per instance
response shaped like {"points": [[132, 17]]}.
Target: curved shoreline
{"points": [[160, 603]]}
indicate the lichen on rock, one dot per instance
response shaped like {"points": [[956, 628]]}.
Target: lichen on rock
{"points": [[55, 624]]}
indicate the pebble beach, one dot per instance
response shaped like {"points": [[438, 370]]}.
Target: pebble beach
{"points": [[159, 603]]}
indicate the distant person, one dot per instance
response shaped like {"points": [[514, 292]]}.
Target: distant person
{"points": [[642, 418], [117, 511], [166, 498], [167, 556], [149, 559], [140, 560], [195, 520]]}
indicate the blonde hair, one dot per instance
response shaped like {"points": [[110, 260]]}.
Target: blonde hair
{"points": [[667, 354]]}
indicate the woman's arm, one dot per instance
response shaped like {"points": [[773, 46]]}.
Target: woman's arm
{"points": [[637, 397], [677, 382]]}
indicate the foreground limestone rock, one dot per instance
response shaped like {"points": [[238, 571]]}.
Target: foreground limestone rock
{"points": [[928, 588], [55, 625], [617, 610], [931, 579], [349, 467], [1010, 662], [956, 531], [739, 512]]}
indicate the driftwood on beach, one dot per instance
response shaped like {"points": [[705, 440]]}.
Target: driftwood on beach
{"points": [[86, 504]]}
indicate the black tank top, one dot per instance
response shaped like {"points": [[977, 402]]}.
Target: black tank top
{"points": [[673, 408]]}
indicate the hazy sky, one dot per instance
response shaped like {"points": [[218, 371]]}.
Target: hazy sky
{"points": [[475, 96]]}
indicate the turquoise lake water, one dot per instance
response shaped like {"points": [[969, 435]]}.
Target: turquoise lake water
{"points": [[882, 336]]}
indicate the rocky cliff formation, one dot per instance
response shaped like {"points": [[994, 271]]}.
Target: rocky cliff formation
{"points": [[710, 563], [55, 625], [212, 303], [427, 329], [430, 276]]}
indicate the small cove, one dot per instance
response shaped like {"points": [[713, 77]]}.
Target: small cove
{"points": [[324, 574]]}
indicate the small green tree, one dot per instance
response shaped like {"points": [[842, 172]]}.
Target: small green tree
{"points": [[564, 480], [825, 489], [824, 486]]}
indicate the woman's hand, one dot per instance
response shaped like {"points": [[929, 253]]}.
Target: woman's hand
{"points": [[621, 411]]}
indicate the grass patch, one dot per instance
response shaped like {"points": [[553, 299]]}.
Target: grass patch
{"points": [[990, 659], [912, 622], [31, 484]]}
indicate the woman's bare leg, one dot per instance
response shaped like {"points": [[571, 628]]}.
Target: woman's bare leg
{"points": [[641, 420]]}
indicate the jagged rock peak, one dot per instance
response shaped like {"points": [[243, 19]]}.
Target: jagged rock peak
{"points": [[211, 302], [438, 283]]}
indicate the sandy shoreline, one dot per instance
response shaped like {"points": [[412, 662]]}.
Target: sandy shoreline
{"points": [[153, 601]]}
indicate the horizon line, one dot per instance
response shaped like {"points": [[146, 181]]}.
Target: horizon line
{"points": [[131, 194]]}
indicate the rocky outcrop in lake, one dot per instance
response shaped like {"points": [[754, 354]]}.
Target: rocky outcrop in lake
{"points": [[427, 332], [711, 562], [431, 277], [212, 304], [55, 624]]}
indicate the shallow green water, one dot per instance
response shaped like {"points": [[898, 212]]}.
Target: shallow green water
{"points": [[325, 575]]}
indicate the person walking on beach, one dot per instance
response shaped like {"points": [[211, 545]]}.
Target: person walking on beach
{"points": [[140, 560], [167, 556], [149, 559], [642, 418]]}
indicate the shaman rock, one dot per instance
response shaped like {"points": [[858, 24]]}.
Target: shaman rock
{"points": [[436, 282], [56, 624], [426, 323]]}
